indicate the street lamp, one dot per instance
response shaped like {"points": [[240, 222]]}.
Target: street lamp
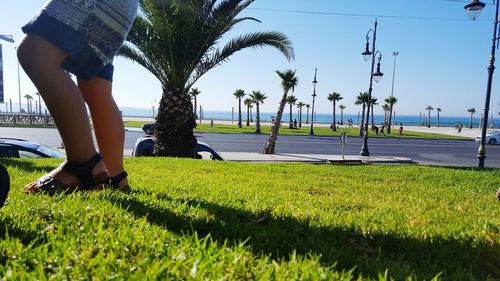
{"points": [[311, 132], [473, 10], [7, 38], [374, 75]]}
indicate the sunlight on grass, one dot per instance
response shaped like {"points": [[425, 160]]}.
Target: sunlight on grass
{"points": [[203, 220], [304, 131]]}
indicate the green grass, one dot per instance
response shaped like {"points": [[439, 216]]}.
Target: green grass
{"points": [[202, 220], [318, 131]]}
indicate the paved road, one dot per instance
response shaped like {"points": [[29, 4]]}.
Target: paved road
{"points": [[423, 151]]}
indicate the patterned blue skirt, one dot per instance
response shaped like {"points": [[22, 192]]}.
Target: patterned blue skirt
{"points": [[90, 31]]}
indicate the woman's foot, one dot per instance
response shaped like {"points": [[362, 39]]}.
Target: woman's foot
{"points": [[120, 181], [70, 175]]}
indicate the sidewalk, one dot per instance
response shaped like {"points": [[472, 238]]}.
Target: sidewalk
{"points": [[311, 158]]}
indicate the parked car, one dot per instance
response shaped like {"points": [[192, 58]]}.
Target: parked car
{"points": [[144, 146], [19, 148], [492, 137]]}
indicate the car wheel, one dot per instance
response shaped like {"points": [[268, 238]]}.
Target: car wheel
{"points": [[4, 184], [493, 141]]}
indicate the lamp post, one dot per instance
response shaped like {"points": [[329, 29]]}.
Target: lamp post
{"points": [[373, 76], [473, 10], [10, 39], [311, 132]]}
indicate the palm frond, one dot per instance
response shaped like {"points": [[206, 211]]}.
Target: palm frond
{"points": [[252, 40]]}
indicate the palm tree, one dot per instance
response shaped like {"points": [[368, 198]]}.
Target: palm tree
{"points": [[194, 93], [334, 98], [288, 82], [179, 41], [374, 101], [391, 101], [471, 111], [307, 117], [291, 100], [299, 106], [258, 98], [362, 99], [239, 94], [386, 109], [429, 108], [342, 107], [438, 110], [28, 99], [248, 102], [39, 103]]}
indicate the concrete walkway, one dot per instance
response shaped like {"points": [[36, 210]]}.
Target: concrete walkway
{"points": [[311, 158]]}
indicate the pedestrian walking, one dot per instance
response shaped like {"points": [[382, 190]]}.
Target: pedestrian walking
{"points": [[382, 127], [400, 129], [82, 38]]}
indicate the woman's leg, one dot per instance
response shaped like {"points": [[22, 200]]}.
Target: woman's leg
{"points": [[42, 62], [107, 122]]}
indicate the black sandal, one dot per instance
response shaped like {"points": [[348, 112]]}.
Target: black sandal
{"points": [[81, 170], [116, 180]]}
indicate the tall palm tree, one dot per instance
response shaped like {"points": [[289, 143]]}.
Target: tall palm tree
{"points": [[308, 106], [438, 111], [362, 99], [299, 106], [179, 41], [248, 102], [28, 99], [39, 103], [194, 94], [334, 98], [342, 107], [374, 101], [386, 109], [291, 100], [258, 98], [288, 82], [391, 101], [471, 111], [239, 94], [429, 108]]}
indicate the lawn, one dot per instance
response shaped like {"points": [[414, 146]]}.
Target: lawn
{"points": [[318, 131], [203, 220]]}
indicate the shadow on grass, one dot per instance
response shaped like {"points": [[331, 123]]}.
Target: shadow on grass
{"points": [[26, 166], [369, 253]]}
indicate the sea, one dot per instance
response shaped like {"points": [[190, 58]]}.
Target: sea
{"points": [[408, 120]]}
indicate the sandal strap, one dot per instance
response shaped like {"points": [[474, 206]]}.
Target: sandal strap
{"points": [[115, 181], [83, 170]]}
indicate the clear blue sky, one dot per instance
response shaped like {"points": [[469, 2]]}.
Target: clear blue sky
{"points": [[442, 61]]}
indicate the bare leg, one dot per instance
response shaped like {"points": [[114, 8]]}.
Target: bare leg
{"points": [[41, 61], [107, 121]]}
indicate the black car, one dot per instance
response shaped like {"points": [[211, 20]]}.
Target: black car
{"points": [[19, 148], [144, 146]]}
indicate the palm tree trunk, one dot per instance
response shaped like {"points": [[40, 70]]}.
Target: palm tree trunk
{"points": [[248, 115], [239, 113], [372, 115], [271, 142], [362, 121], [300, 117], [341, 117], [290, 124], [334, 118], [390, 120], [307, 116], [438, 120], [257, 123], [429, 119], [470, 123], [174, 125]]}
